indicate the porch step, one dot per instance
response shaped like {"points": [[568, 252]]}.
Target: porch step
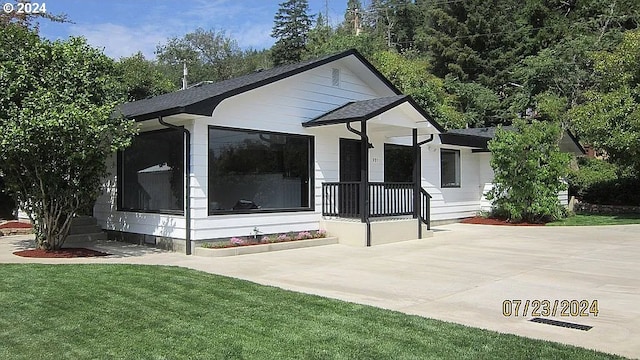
{"points": [[83, 238], [85, 229], [83, 220]]}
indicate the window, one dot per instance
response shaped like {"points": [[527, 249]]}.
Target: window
{"points": [[398, 163], [151, 173], [256, 171], [450, 168]]}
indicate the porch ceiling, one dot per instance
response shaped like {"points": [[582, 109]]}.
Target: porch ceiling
{"points": [[394, 114]]}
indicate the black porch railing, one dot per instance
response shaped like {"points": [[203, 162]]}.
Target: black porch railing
{"points": [[342, 199], [425, 208]]}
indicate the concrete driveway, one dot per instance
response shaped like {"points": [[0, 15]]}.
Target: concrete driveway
{"points": [[463, 275]]}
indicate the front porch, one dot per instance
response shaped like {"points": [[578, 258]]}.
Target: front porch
{"points": [[393, 213], [358, 209]]}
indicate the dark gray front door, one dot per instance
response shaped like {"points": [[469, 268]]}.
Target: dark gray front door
{"points": [[349, 195]]}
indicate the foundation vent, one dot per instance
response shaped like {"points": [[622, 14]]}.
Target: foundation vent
{"points": [[335, 77]]}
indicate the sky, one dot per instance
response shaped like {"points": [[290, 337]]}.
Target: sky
{"points": [[124, 27]]}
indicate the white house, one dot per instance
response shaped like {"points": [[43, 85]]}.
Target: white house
{"points": [[328, 143]]}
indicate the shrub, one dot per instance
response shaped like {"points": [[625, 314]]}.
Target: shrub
{"points": [[528, 166], [599, 182], [590, 172]]}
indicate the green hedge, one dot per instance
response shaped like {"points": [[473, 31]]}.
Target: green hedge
{"points": [[599, 182]]}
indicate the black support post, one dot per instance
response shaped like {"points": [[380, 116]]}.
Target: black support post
{"points": [[417, 180], [364, 178]]}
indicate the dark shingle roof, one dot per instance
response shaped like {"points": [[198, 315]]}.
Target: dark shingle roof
{"points": [[357, 110], [201, 100], [486, 132], [479, 138], [365, 110]]}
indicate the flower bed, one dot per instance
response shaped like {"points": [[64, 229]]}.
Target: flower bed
{"points": [[266, 239], [242, 246]]}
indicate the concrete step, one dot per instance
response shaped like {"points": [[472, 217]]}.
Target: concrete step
{"points": [[82, 238], [83, 220], [84, 229]]}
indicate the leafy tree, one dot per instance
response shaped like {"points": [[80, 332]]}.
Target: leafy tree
{"points": [[366, 44], [29, 19], [56, 129], [528, 167], [609, 118], [210, 56], [478, 104], [142, 78], [319, 37], [291, 30], [412, 77]]}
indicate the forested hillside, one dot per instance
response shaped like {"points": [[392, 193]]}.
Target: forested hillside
{"points": [[469, 63]]}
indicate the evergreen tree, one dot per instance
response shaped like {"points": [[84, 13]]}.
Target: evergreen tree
{"points": [[319, 37], [353, 17], [291, 29]]}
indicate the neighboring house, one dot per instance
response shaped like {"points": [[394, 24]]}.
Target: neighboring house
{"points": [[328, 143]]}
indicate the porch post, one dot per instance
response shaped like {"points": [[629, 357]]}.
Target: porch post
{"points": [[417, 177], [364, 178]]}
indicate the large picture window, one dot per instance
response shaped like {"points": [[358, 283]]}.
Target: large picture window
{"points": [[151, 173], [398, 163], [450, 168], [257, 171]]}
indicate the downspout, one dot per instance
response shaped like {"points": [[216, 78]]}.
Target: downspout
{"points": [[417, 177], [187, 183]]}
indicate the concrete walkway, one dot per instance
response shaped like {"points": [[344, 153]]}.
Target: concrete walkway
{"points": [[463, 274]]}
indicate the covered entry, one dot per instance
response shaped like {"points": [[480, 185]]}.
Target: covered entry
{"points": [[363, 203]]}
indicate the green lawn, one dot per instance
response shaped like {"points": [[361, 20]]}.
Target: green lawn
{"points": [[146, 312], [586, 220]]}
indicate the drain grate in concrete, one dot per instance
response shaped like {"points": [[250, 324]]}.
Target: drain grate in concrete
{"points": [[561, 324]]}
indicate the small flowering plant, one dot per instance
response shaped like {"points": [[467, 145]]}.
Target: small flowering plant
{"points": [[283, 237], [267, 239], [304, 235], [235, 241]]}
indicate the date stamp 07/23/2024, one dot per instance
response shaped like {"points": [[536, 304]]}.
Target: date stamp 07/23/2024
{"points": [[26, 8], [550, 308]]}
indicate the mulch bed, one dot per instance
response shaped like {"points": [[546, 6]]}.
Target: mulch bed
{"points": [[62, 253], [491, 221], [15, 225]]}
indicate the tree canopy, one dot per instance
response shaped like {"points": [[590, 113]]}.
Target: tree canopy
{"points": [[56, 128], [291, 27]]}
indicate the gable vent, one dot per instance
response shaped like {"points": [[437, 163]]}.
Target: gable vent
{"points": [[335, 77]]}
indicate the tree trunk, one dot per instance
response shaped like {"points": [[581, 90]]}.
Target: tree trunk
{"points": [[52, 228]]}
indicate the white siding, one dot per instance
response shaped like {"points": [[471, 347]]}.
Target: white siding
{"points": [[108, 216], [280, 107]]}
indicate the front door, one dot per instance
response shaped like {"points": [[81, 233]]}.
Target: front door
{"points": [[349, 194]]}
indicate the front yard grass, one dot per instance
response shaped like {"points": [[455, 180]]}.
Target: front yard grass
{"points": [[594, 219], [155, 312]]}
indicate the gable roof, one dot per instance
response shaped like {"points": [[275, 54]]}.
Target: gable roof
{"points": [[365, 110], [203, 99], [479, 138]]}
